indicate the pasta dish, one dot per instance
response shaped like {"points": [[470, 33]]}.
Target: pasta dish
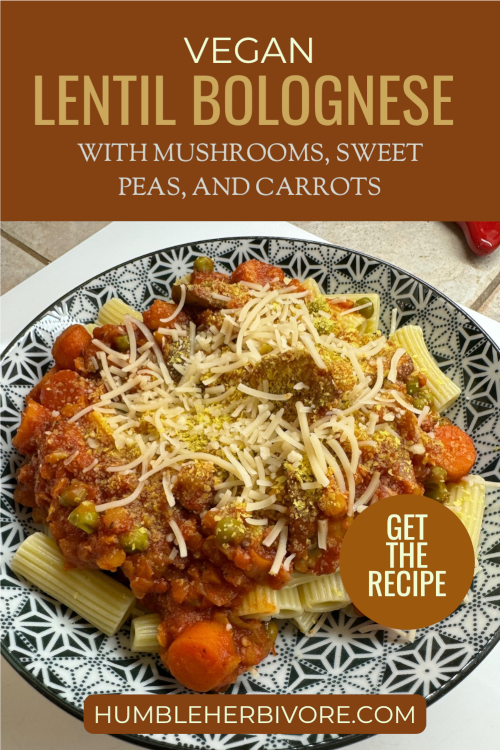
{"points": [[197, 466]]}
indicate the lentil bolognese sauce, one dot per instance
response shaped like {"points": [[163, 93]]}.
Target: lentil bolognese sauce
{"points": [[225, 442]]}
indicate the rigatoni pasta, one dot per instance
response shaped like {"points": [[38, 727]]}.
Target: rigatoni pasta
{"points": [[262, 601], [467, 501], [113, 312], [305, 621], [289, 603], [143, 633], [325, 594], [96, 597]]}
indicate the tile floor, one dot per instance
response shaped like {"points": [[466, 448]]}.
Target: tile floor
{"points": [[434, 251]]}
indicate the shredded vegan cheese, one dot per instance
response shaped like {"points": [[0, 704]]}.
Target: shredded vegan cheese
{"points": [[179, 538], [393, 370], [197, 406]]}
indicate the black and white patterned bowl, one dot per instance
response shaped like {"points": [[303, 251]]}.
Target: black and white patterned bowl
{"points": [[66, 659]]}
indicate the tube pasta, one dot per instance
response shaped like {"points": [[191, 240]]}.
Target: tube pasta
{"points": [[325, 594], [261, 601], [303, 592], [299, 578], [96, 597], [468, 499], [444, 390], [91, 327], [113, 312], [312, 286], [144, 633], [289, 604], [305, 621]]}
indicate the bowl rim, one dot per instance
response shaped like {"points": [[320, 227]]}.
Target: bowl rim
{"points": [[341, 740]]}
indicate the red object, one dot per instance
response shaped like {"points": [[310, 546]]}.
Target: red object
{"points": [[483, 236]]}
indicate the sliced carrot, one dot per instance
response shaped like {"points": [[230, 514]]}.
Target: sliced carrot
{"points": [[203, 657], [458, 454]]}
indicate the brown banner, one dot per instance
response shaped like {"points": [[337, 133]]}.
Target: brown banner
{"points": [[255, 714], [187, 110], [417, 566]]}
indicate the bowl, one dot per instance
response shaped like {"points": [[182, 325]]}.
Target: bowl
{"points": [[66, 659]]}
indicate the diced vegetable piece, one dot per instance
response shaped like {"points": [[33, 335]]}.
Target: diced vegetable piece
{"points": [[458, 454], [84, 517], [366, 312], [437, 475], [61, 388], [136, 540], [203, 264], [437, 492], [257, 272], [69, 345], [35, 420], [412, 385], [193, 487], [117, 520], [230, 531], [73, 495], [122, 343], [204, 285], [203, 657]]}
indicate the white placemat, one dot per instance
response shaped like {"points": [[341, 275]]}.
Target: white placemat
{"points": [[465, 718]]}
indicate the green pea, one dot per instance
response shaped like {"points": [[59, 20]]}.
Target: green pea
{"points": [[412, 386], [366, 312], [437, 492], [423, 398], [84, 517], [271, 630], [136, 540], [437, 474], [203, 264], [230, 531], [73, 495], [122, 343]]}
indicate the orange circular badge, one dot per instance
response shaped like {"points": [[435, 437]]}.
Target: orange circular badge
{"points": [[407, 562]]}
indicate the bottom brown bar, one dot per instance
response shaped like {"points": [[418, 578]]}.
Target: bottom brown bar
{"points": [[255, 714]]}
